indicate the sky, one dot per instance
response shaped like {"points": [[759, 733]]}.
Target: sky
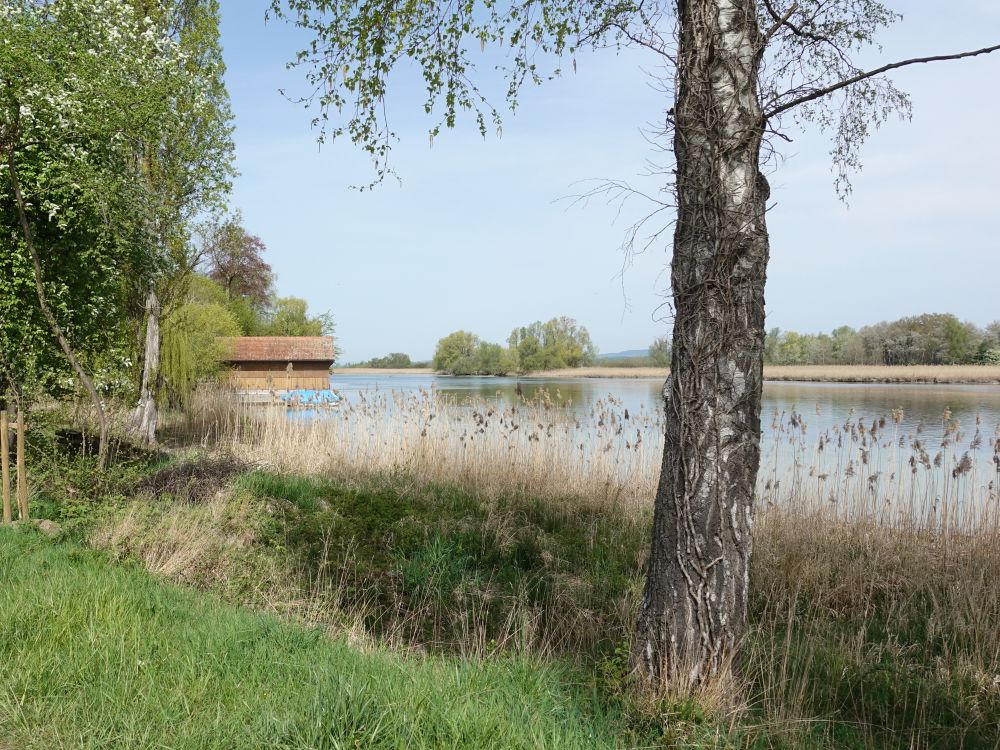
{"points": [[483, 234]]}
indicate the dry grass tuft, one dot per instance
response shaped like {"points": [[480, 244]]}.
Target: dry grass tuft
{"points": [[194, 479], [217, 546]]}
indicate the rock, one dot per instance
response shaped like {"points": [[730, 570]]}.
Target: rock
{"points": [[49, 528]]}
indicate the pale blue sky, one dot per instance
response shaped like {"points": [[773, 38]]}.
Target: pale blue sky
{"points": [[476, 238]]}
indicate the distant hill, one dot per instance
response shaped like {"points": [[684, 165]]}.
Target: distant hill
{"points": [[629, 354]]}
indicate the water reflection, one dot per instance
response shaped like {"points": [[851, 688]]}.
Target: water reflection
{"points": [[818, 407]]}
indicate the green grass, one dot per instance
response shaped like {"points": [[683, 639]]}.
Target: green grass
{"points": [[434, 562], [94, 655], [859, 637]]}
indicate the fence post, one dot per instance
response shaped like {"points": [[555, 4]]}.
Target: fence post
{"points": [[5, 465], [22, 476]]}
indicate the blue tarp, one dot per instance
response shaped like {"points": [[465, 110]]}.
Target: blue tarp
{"points": [[310, 397]]}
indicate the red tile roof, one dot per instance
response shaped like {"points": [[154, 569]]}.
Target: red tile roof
{"points": [[278, 348]]}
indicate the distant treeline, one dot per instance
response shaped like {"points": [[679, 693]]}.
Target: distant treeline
{"points": [[393, 361], [930, 339]]}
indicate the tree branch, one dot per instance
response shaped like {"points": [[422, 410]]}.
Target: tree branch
{"points": [[784, 21], [779, 21], [871, 74]]}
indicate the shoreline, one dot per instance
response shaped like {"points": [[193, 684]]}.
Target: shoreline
{"points": [[871, 374]]}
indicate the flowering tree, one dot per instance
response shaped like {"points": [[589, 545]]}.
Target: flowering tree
{"points": [[83, 85]]}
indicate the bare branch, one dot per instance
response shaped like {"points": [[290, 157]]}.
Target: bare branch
{"points": [[784, 21], [871, 74], [779, 21]]}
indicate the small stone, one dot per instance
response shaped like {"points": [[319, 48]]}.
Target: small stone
{"points": [[49, 528]]}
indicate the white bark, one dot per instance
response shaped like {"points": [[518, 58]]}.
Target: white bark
{"points": [[145, 415], [694, 607]]}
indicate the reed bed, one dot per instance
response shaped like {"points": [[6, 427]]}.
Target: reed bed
{"points": [[532, 447], [383, 371], [604, 372], [943, 475]]}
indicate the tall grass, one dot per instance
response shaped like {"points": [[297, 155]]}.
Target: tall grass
{"points": [[485, 529], [864, 469]]}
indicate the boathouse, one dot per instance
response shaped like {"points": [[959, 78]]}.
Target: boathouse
{"points": [[279, 362]]}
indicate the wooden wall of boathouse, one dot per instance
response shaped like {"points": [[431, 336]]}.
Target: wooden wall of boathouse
{"points": [[279, 363]]}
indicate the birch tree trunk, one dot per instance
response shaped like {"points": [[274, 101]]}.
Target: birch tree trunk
{"points": [[145, 415], [694, 606]]}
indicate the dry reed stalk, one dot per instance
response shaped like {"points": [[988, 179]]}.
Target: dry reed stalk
{"points": [[849, 473]]}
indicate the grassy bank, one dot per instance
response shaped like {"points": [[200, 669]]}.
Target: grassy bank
{"points": [[860, 635], [480, 551], [98, 656]]}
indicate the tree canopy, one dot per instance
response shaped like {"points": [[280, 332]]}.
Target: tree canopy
{"points": [[235, 261], [556, 344], [85, 87], [659, 351], [553, 345]]}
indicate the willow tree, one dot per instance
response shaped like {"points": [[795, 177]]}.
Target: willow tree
{"points": [[741, 73]]}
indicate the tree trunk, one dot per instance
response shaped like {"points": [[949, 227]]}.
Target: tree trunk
{"points": [[5, 466], [144, 417], [694, 606]]}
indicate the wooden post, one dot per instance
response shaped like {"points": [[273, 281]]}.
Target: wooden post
{"points": [[5, 466], [22, 476]]}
